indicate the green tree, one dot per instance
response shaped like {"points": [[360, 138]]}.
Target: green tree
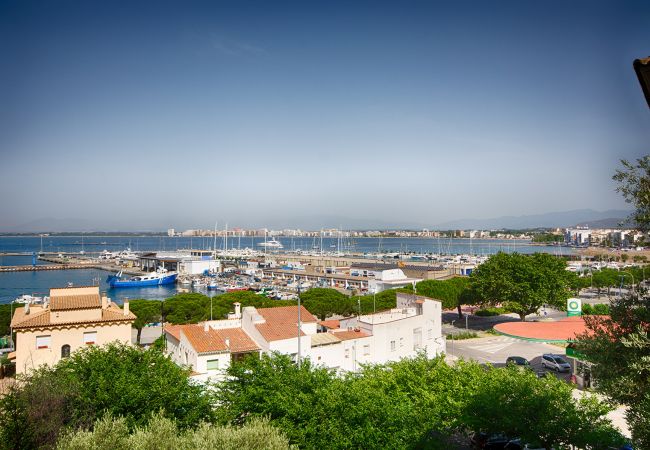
{"points": [[118, 379], [453, 292], [522, 283], [323, 302], [539, 411], [634, 184], [163, 433], [5, 317], [618, 346], [146, 311]]}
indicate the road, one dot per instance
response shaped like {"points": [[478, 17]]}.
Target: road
{"points": [[495, 349]]}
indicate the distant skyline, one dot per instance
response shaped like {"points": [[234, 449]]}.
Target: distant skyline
{"points": [[146, 115]]}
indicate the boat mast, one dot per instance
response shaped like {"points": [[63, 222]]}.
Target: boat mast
{"points": [[214, 245]]}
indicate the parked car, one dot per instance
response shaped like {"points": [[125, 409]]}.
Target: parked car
{"points": [[489, 441], [518, 361], [556, 363]]}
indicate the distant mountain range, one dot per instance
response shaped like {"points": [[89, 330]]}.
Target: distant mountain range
{"points": [[562, 219], [585, 217]]}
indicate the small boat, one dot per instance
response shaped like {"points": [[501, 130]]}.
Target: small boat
{"points": [[29, 299], [199, 283], [157, 278], [236, 289], [271, 244], [185, 282], [212, 286]]}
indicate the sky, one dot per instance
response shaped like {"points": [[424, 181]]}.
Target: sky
{"points": [[149, 115]]}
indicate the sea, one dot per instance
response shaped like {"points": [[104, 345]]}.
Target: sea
{"points": [[14, 284]]}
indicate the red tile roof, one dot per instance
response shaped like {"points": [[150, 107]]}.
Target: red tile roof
{"points": [[331, 324], [87, 297], [215, 340], [174, 330], [347, 335], [282, 322], [40, 318]]}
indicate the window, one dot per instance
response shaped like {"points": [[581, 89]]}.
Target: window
{"points": [[392, 346], [401, 342], [347, 352], [43, 341], [429, 333], [417, 338], [366, 350], [213, 364], [90, 337], [65, 351]]}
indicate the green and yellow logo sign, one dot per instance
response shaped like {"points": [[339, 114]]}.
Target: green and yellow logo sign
{"points": [[574, 307]]}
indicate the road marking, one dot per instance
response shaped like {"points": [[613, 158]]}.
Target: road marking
{"points": [[491, 348]]}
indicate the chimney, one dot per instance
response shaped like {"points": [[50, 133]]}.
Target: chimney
{"points": [[26, 308], [126, 307], [206, 326], [104, 302], [228, 343], [237, 310]]}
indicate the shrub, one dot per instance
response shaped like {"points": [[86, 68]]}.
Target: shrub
{"points": [[163, 433]]}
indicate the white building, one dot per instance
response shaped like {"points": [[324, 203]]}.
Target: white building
{"points": [[389, 279], [209, 348]]}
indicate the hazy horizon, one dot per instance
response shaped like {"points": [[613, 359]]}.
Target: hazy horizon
{"points": [[147, 115]]}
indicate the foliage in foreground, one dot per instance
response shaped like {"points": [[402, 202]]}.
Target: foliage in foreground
{"points": [[162, 433], [618, 346], [414, 403], [118, 379]]}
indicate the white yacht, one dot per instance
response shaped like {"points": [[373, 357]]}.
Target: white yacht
{"points": [[271, 244]]}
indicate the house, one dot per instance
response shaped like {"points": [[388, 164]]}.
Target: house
{"points": [[413, 327], [72, 318]]}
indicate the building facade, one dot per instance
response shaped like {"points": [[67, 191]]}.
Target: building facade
{"points": [[72, 318], [413, 327]]}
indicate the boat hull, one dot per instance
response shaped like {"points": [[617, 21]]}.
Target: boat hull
{"points": [[168, 279]]}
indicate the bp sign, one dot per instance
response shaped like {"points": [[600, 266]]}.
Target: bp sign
{"points": [[574, 307]]}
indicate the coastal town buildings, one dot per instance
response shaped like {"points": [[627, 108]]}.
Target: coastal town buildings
{"points": [[344, 345], [70, 319]]}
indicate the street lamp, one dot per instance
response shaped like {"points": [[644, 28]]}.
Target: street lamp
{"points": [[623, 277], [452, 337]]}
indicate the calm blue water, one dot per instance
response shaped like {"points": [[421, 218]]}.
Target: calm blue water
{"points": [[15, 284], [91, 244]]}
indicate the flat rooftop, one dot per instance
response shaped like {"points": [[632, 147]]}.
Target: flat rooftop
{"points": [[388, 316]]}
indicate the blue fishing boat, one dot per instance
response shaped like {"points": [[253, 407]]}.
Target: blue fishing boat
{"points": [[157, 278]]}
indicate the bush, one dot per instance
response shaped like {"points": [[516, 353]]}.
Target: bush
{"points": [[118, 379], [489, 312], [463, 335], [599, 309], [163, 433]]}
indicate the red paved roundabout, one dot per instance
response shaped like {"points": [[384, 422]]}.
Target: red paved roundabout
{"points": [[556, 331]]}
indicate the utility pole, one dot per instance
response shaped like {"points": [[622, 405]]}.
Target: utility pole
{"points": [[298, 356]]}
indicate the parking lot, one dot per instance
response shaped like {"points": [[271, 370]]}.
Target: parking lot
{"points": [[495, 349]]}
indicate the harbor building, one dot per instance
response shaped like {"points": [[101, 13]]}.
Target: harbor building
{"points": [[209, 348], [72, 318]]}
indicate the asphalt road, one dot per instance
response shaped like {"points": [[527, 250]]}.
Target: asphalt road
{"points": [[495, 349]]}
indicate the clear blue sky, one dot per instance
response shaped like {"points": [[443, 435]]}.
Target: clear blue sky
{"points": [[175, 114]]}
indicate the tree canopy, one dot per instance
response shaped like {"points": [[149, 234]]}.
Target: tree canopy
{"points": [[523, 283], [413, 403], [118, 379], [618, 348], [453, 292], [634, 184]]}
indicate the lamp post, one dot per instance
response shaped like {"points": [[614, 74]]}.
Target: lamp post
{"points": [[623, 278], [298, 356], [452, 337]]}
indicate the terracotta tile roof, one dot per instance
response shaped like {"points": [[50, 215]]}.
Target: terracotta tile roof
{"points": [[282, 322], [286, 314], [215, 340], [347, 335], [174, 330], [75, 298], [331, 324], [40, 318]]}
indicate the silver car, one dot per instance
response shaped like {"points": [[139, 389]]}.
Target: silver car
{"points": [[556, 363]]}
